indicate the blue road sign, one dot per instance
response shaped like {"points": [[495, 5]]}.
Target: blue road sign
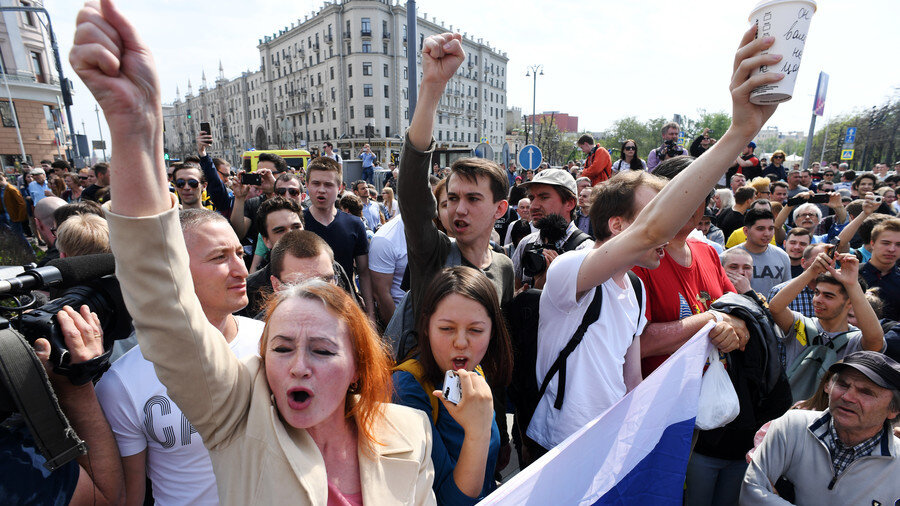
{"points": [[530, 157], [850, 136]]}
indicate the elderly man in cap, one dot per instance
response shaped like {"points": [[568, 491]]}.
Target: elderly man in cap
{"points": [[844, 455], [38, 187], [553, 195]]}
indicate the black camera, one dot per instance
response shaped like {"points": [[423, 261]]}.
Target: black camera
{"points": [[533, 261], [668, 150]]}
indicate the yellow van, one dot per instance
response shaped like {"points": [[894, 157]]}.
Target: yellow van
{"points": [[296, 158]]}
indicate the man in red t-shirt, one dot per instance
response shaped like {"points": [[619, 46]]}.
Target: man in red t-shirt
{"points": [[689, 279], [598, 164]]}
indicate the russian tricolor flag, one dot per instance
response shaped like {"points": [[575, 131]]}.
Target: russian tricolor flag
{"points": [[634, 453]]}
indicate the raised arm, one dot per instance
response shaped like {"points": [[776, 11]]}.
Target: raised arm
{"points": [[672, 207], [866, 319], [778, 306], [869, 206], [191, 357]]}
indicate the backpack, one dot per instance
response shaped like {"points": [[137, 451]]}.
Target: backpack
{"points": [[522, 315], [807, 370], [400, 332], [414, 367]]}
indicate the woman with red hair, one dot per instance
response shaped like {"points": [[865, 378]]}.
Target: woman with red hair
{"points": [[306, 422]]}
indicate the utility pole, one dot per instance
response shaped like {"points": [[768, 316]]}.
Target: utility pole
{"points": [[97, 110], [534, 69]]}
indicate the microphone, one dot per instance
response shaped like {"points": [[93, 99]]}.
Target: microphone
{"points": [[61, 273]]}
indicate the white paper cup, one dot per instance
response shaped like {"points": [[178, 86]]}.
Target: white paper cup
{"points": [[787, 21]]}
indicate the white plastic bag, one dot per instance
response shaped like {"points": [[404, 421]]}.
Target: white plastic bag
{"points": [[718, 401]]}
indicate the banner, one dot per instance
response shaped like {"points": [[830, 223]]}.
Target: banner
{"points": [[635, 453], [821, 90]]}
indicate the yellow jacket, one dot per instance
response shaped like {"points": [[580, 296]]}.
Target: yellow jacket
{"points": [[257, 459]]}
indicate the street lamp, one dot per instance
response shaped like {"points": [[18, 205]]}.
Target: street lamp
{"points": [[533, 70]]}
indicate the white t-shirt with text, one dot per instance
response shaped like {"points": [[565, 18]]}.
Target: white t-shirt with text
{"points": [[143, 417]]}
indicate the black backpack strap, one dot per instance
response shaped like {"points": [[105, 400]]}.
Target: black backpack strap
{"points": [[590, 316], [575, 240], [639, 293]]}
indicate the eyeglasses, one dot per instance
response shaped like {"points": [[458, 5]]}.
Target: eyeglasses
{"points": [[83, 178], [629, 148], [293, 191], [193, 183], [807, 215], [779, 157]]}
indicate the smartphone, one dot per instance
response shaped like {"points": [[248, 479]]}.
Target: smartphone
{"points": [[204, 127], [251, 178], [834, 246], [795, 201], [452, 388], [819, 198]]}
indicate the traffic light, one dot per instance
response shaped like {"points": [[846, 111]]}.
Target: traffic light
{"points": [[189, 114]]}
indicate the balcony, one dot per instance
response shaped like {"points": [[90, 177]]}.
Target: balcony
{"points": [[347, 35], [386, 35], [365, 33], [329, 39]]}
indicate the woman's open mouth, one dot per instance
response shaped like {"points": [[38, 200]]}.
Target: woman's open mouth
{"points": [[299, 398]]}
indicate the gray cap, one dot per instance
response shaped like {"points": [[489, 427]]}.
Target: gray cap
{"points": [[555, 177], [37, 170], [881, 369]]}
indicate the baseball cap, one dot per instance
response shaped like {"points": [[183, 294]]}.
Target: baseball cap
{"points": [[751, 145], [518, 178], [37, 171], [878, 367], [555, 177]]}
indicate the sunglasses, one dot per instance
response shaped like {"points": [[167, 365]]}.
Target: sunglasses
{"points": [[83, 178], [629, 148], [193, 183], [282, 191]]}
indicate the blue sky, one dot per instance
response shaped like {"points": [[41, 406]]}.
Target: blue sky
{"points": [[603, 60]]}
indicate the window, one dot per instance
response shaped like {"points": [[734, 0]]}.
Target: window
{"points": [[405, 73], [29, 16], [351, 112], [384, 30], [36, 66], [367, 90], [332, 72], [48, 117], [367, 47], [332, 95], [387, 131], [387, 91], [366, 26], [367, 68], [370, 111], [350, 90], [386, 70], [333, 113], [348, 28], [349, 49], [349, 70], [7, 114], [387, 112]]}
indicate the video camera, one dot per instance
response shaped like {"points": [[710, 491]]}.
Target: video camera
{"points": [[669, 149], [24, 385], [552, 229]]}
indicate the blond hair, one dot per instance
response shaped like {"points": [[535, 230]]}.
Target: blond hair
{"points": [[83, 234]]}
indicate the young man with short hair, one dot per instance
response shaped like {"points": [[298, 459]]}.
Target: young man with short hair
{"points": [[328, 150], [771, 265], [345, 234], [99, 181], [798, 238], [154, 437], [370, 210], [597, 163], [882, 270], [836, 291], [189, 185], [732, 218]]}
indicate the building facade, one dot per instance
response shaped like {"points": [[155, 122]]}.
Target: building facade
{"points": [[341, 75], [564, 122], [30, 95]]}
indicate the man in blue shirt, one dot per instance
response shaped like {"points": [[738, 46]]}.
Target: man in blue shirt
{"points": [[39, 188], [368, 163]]}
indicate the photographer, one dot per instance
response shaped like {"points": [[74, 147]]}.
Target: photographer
{"points": [[97, 478], [552, 210], [703, 142], [668, 149]]}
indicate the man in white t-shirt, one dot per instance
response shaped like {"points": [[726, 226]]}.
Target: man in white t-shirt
{"points": [[155, 439], [387, 262], [328, 151], [631, 228]]}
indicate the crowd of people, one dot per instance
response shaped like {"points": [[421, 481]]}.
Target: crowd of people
{"points": [[304, 339]]}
